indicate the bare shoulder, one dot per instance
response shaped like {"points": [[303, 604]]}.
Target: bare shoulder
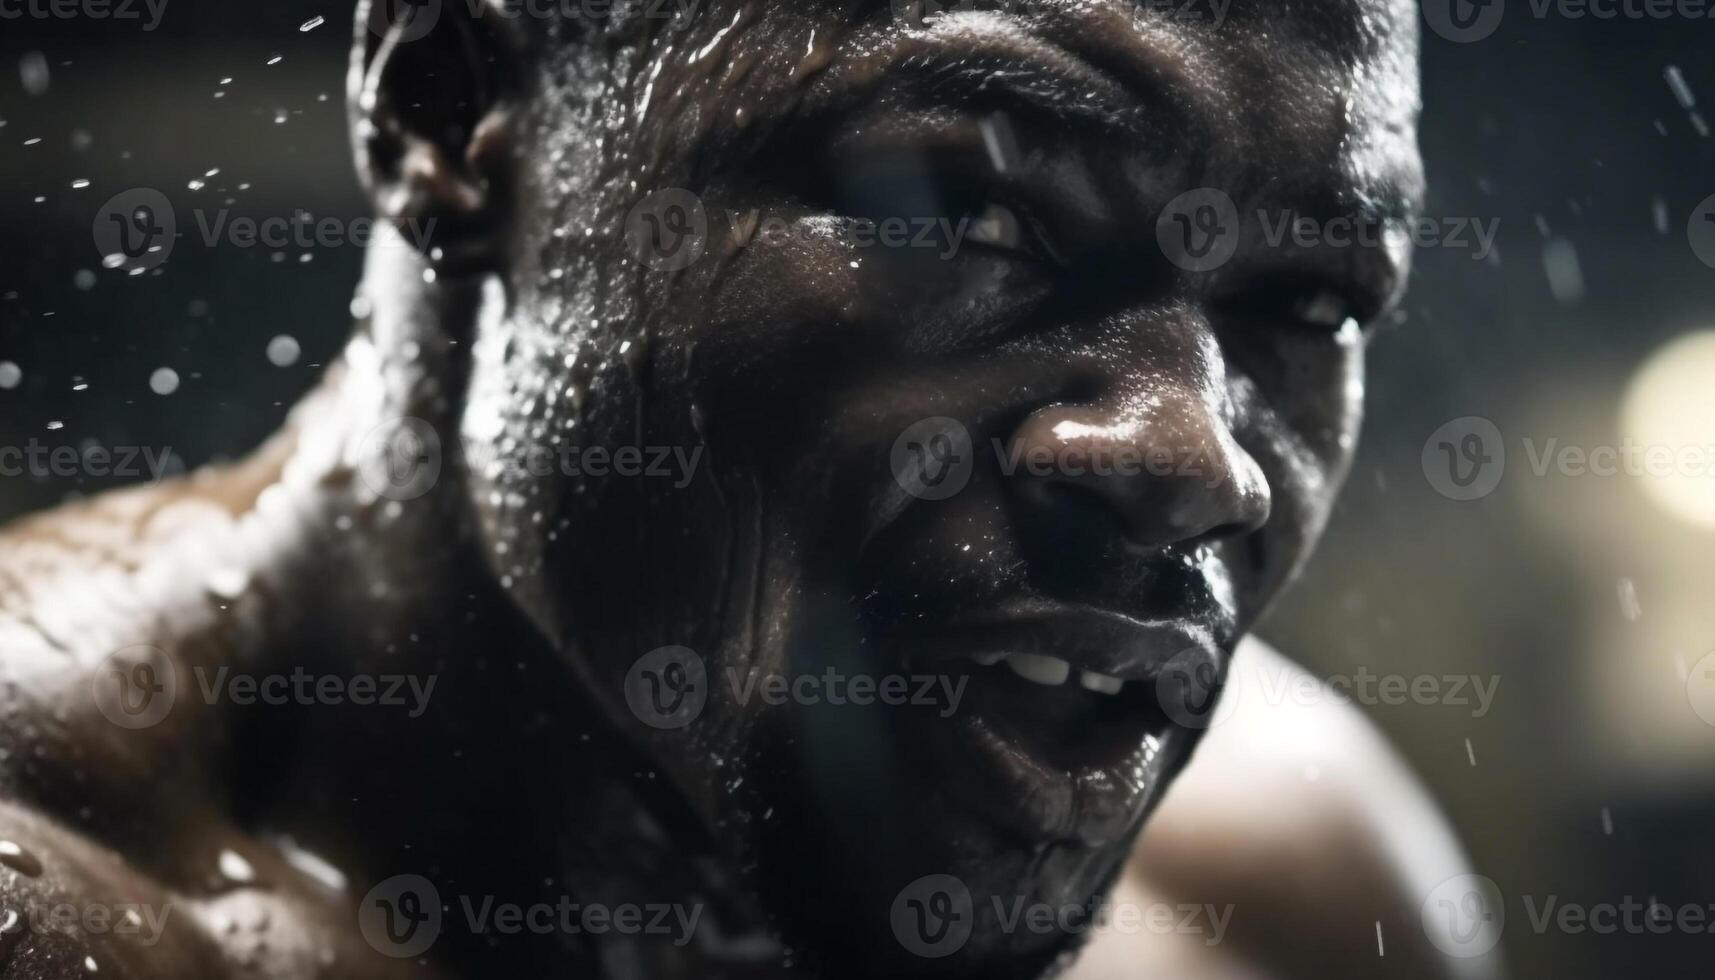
{"points": [[113, 835], [1299, 824]]}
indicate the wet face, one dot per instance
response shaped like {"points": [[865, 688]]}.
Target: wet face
{"points": [[927, 402]]}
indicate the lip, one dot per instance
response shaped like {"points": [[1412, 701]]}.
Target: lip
{"points": [[1097, 640], [1004, 764]]}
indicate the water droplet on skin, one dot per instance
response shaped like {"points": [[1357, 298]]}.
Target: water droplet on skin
{"points": [[19, 860]]}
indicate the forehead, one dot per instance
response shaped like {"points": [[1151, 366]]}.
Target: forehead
{"points": [[1273, 93]]}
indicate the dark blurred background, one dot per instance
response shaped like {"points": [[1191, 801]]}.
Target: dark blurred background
{"points": [[1591, 598]]}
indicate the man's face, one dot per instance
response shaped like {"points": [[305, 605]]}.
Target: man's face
{"points": [[951, 389]]}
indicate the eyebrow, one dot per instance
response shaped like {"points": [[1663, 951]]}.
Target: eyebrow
{"points": [[1035, 90], [1025, 72]]}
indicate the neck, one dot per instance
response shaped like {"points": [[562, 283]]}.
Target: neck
{"points": [[508, 788]]}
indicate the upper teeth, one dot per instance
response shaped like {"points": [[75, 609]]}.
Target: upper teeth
{"points": [[1100, 683], [1043, 670], [1051, 671]]}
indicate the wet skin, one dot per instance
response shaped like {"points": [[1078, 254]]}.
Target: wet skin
{"points": [[1055, 134]]}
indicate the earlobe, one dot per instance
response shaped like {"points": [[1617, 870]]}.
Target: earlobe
{"points": [[432, 128]]}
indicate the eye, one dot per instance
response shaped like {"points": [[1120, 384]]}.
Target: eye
{"points": [[942, 196]]}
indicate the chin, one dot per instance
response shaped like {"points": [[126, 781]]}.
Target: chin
{"points": [[907, 841], [923, 890]]}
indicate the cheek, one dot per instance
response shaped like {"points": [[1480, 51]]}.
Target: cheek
{"points": [[606, 515], [1300, 406]]}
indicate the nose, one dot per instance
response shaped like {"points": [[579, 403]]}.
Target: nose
{"points": [[1164, 468]]}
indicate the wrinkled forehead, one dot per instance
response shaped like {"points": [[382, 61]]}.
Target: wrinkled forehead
{"points": [[1268, 92]]}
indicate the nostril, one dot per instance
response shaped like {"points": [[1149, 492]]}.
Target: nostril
{"points": [[1066, 527], [1081, 504]]}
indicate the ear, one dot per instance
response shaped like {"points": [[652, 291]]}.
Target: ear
{"points": [[430, 99]]}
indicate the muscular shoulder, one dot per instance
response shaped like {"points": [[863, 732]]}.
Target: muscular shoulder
{"points": [[119, 580], [1298, 818], [68, 572], [112, 833]]}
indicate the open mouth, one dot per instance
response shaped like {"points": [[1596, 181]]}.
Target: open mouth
{"points": [[1063, 716], [1069, 723]]}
